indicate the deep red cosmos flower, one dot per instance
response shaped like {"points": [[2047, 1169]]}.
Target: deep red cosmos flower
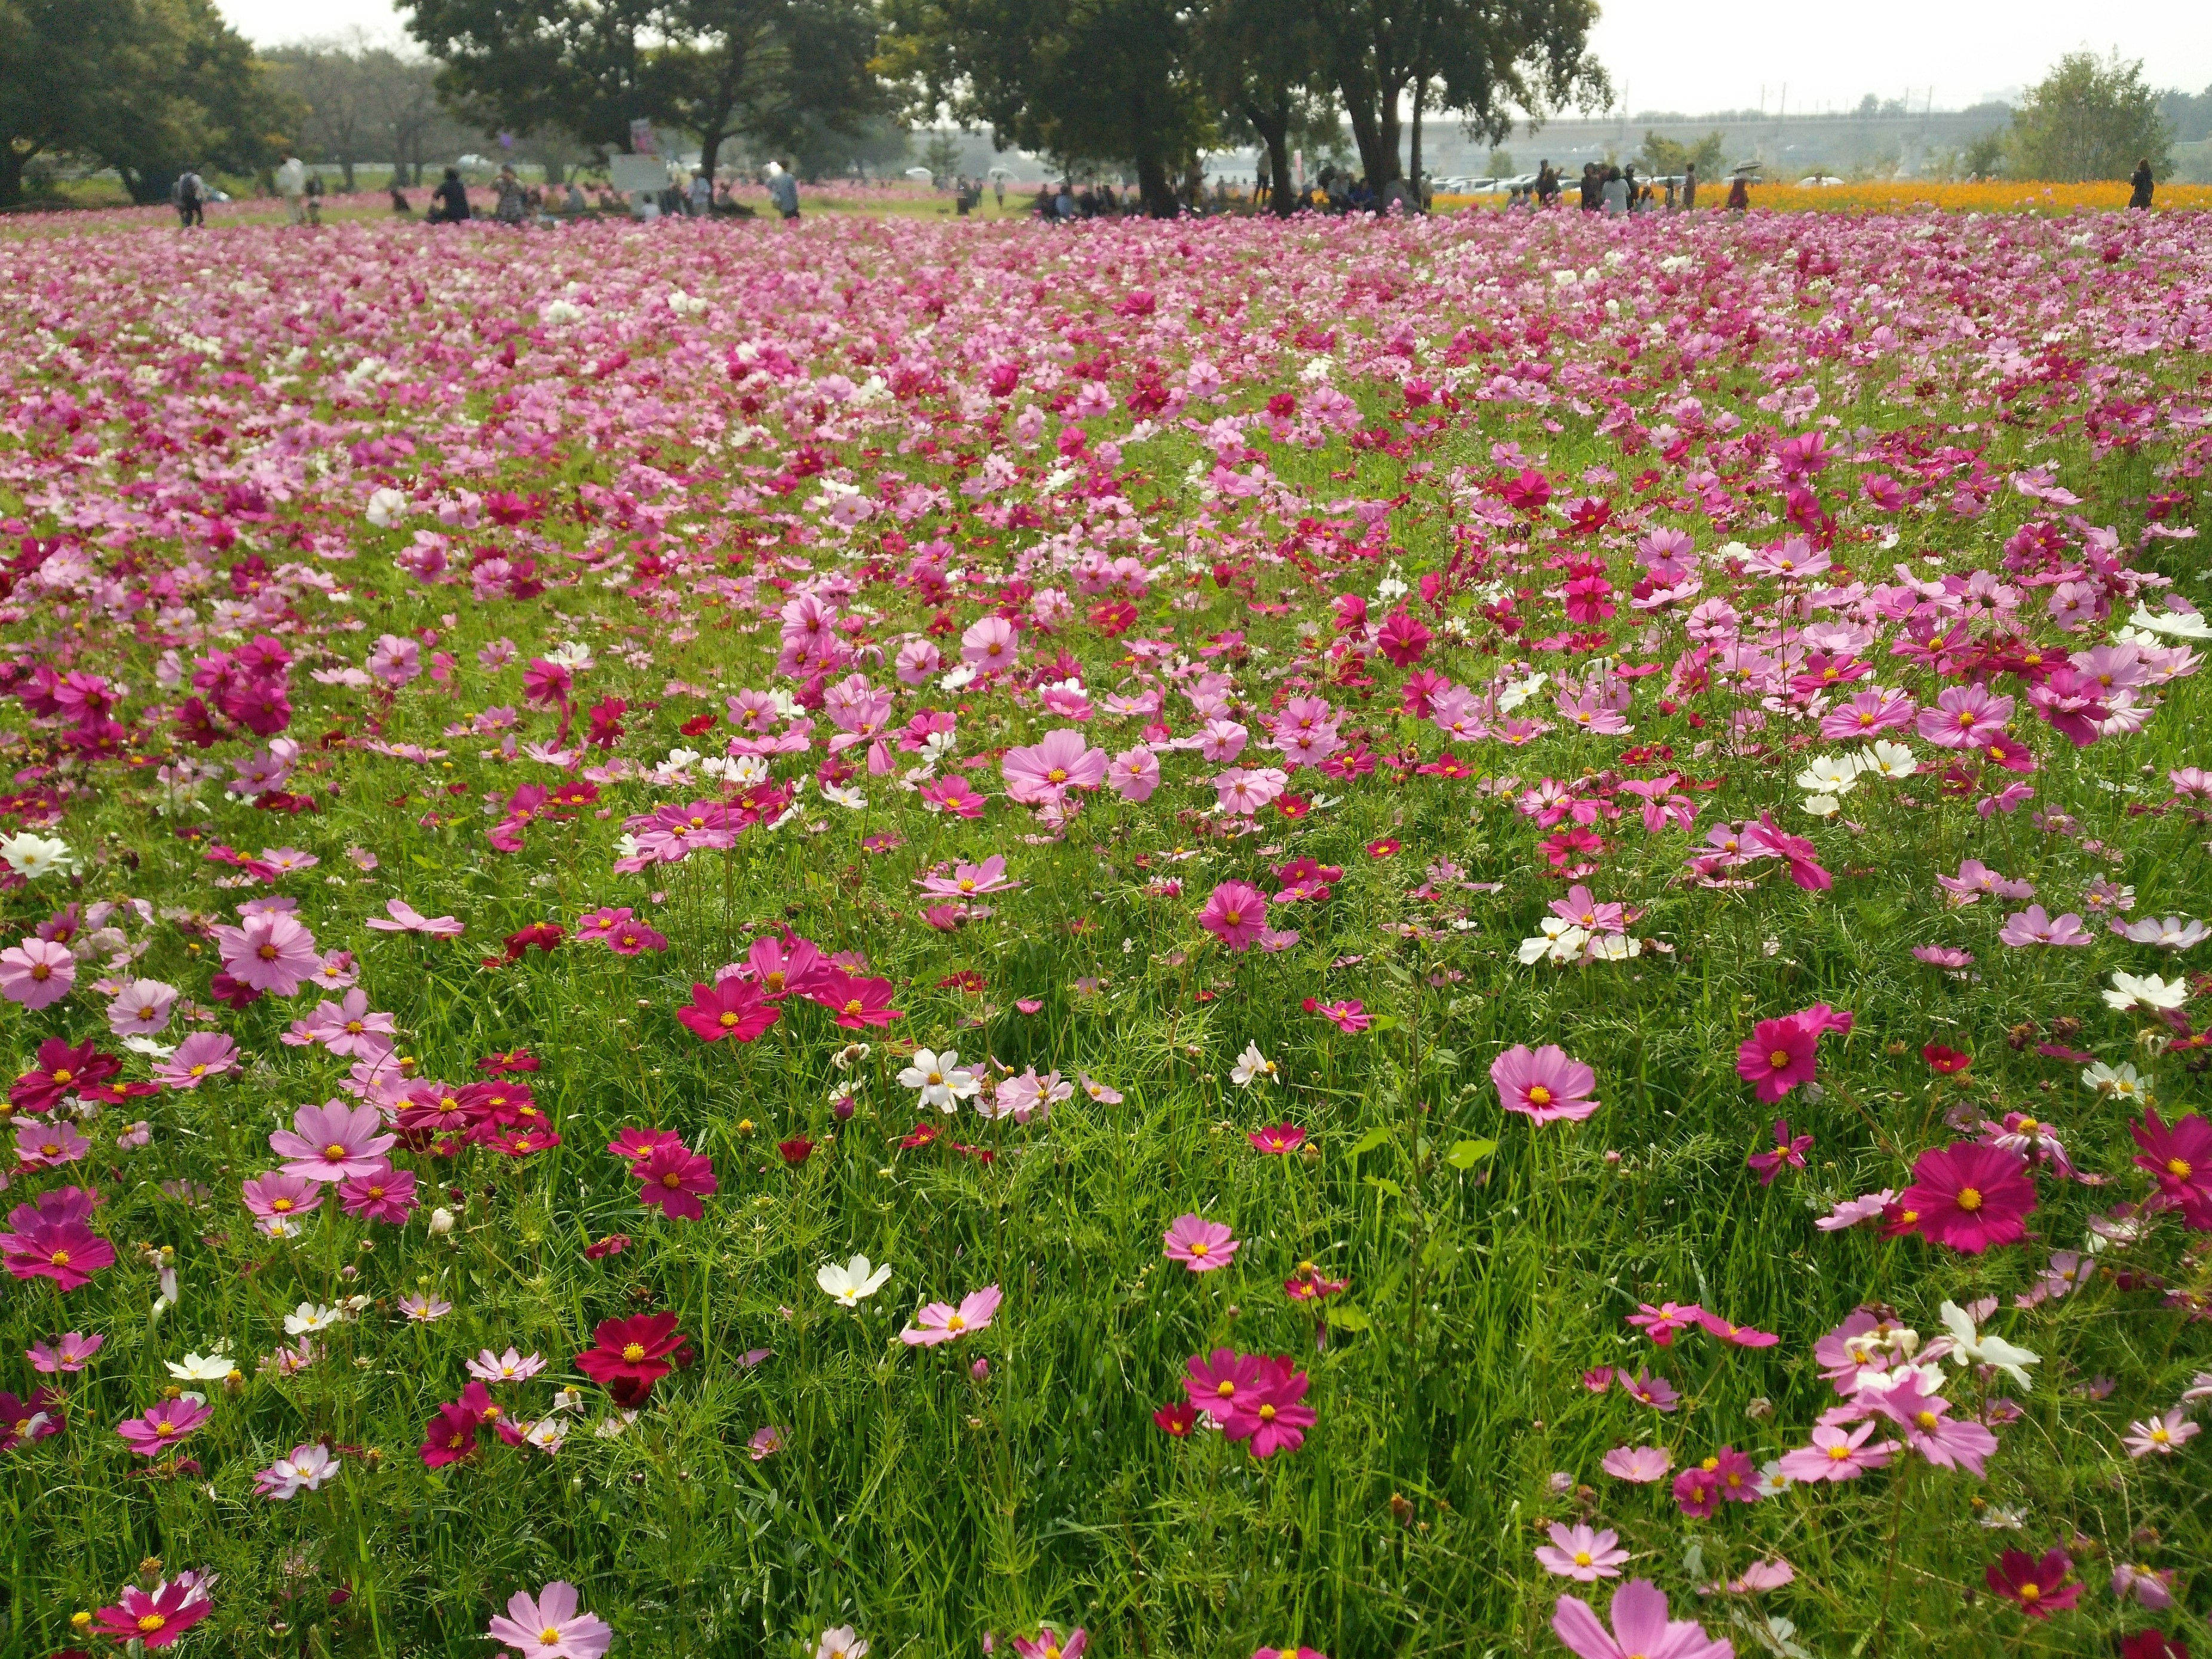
{"points": [[630, 1355]]}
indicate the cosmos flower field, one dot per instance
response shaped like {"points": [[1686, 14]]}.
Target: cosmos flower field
{"points": [[1469, 937]]}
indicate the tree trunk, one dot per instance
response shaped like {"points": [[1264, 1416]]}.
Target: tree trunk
{"points": [[11, 174], [1274, 126], [1413, 154], [710, 147], [1154, 185], [345, 170], [1385, 167]]}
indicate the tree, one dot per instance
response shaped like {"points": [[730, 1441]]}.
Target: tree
{"points": [[1084, 81], [2089, 118], [1664, 156], [715, 69], [146, 87], [1264, 67], [1482, 58]]}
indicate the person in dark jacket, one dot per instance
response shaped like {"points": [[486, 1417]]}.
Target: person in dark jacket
{"points": [[2139, 196], [1593, 187], [450, 201]]}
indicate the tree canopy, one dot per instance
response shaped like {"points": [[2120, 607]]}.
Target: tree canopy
{"points": [[2090, 117]]}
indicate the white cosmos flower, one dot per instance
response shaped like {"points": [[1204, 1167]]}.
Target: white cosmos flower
{"points": [[1830, 775], [1891, 760], [201, 1368], [2150, 991], [1560, 941], [1967, 1348], [2121, 1081], [1821, 806], [32, 855], [308, 1318], [573, 655], [1253, 1066], [853, 1282], [939, 1080], [385, 506], [851, 799]]}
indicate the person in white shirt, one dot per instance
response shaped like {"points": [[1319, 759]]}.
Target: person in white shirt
{"points": [[292, 185]]}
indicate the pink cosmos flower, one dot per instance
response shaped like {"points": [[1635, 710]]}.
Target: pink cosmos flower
{"points": [[1133, 774], [509, 1367], [2150, 1587], [969, 880], [1976, 878], [37, 973], [1964, 717], [1050, 1645], [1639, 1464], [550, 1626], [990, 644], [2038, 1588], [51, 1240], [1544, 1084], [783, 967], [1656, 1391], [1349, 1016], [1200, 1245], [406, 918], [1836, 1455], [1781, 1053], [940, 1321], [1235, 914], [1273, 1416], [333, 1141], [1764, 838], [305, 1470], [1662, 1323], [1967, 1196], [1946, 1442], [202, 1055], [281, 1198], [141, 1008], [1787, 1150], [163, 1427], [1640, 1629], [71, 1353], [384, 1195], [2162, 1435], [1581, 1554], [273, 952], [1939, 955], [731, 1008], [2035, 925], [672, 1179], [1736, 1336], [1042, 773], [351, 1028], [44, 1143]]}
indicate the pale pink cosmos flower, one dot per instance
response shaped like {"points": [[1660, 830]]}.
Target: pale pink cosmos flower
{"points": [[1851, 1212], [37, 973], [509, 1367], [1544, 1084], [1200, 1245], [1243, 791], [548, 1625], [1579, 1554], [940, 1321], [351, 1028], [990, 645], [273, 952], [141, 1008], [1133, 774], [1044, 772], [1837, 1454], [45, 1144], [1221, 741], [1641, 1628], [1639, 1464], [333, 1141], [2151, 1586], [2163, 1434], [305, 1470], [202, 1055], [406, 918], [970, 880], [2035, 926], [1976, 878], [72, 1352], [1964, 717]]}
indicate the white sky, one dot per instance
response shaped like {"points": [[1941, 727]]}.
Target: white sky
{"points": [[1669, 57]]}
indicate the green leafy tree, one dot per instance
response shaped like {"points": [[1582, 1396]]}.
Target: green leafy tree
{"points": [[1264, 67], [2090, 117], [146, 87], [1482, 58], [1663, 155], [1083, 81]]}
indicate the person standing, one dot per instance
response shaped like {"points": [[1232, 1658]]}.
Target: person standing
{"points": [[292, 184], [511, 208], [1689, 186], [314, 199], [783, 190], [2140, 184], [1593, 187], [1738, 200], [1613, 194]]}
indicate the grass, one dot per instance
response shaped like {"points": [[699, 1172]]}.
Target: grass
{"points": [[918, 1502]]}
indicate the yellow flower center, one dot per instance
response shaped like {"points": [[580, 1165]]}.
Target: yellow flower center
{"points": [[549, 1635], [1198, 1247], [672, 1180], [1969, 1199], [280, 1204], [1838, 1454], [2031, 1592], [1927, 1420], [1582, 1557], [58, 1259], [267, 953], [955, 1323], [1779, 1058], [2178, 1167], [632, 1352], [334, 1151], [150, 1622], [1539, 1096], [1058, 774]]}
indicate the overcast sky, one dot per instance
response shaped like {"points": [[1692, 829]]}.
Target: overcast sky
{"points": [[1692, 59]]}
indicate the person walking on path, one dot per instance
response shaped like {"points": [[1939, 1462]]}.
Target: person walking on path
{"points": [[292, 184], [1739, 201], [314, 199], [2140, 183]]}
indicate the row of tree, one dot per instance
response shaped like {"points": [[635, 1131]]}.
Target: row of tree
{"points": [[1144, 85]]}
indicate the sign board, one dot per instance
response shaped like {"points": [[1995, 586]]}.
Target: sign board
{"points": [[632, 173]]}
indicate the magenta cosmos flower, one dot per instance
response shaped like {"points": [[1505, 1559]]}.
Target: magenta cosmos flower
{"points": [[548, 1625], [1272, 1416], [1200, 1245], [333, 1141], [1049, 1643], [1544, 1084], [272, 953], [940, 1321], [2037, 1587], [52, 1239], [1044, 772], [672, 1179], [1235, 914], [37, 972], [1641, 1628], [1967, 1196], [731, 1008], [164, 1426], [156, 1617]]}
